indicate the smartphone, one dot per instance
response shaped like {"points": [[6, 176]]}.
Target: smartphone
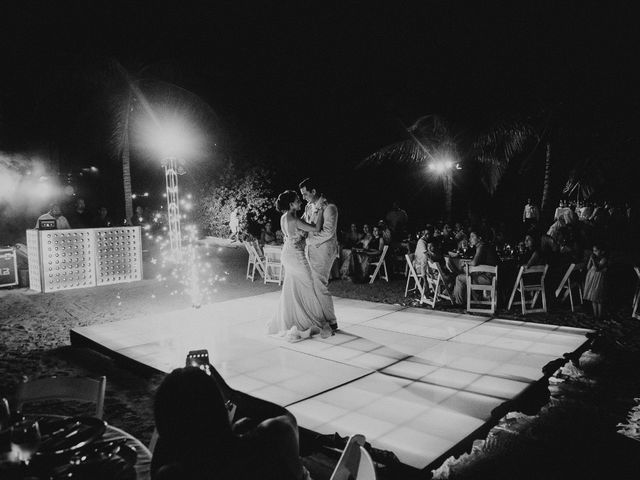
{"points": [[231, 409], [198, 358]]}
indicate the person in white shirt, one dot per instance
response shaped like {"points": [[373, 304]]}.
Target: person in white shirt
{"points": [[54, 213], [530, 214]]}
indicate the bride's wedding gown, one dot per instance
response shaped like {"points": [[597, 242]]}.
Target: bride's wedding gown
{"points": [[299, 313]]}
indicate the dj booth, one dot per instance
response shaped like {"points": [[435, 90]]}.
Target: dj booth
{"points": [[79, 258]]}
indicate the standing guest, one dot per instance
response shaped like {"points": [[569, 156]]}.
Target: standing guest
{"points": [[139, 219], [79, 218], [530, 214], [556, 226], [594, 284], [485, 255], [560, 210], [397, 220], [102, 220], [267, 235], [234, 224], [54, 213]]}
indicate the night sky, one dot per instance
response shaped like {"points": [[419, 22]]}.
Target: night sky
{"points": [[314, 87]]}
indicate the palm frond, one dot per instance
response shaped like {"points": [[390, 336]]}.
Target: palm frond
{"points": [[496, 148], [424, 137]]}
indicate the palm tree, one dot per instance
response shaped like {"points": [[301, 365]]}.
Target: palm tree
{"points": [[430, 138], [133, 94], [495, 150]]}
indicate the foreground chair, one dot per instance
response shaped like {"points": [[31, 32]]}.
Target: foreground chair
{"points": [[414, 274], [636, 298], [380, 263], [273, 271], [437, 287], [355, 462], [491, 303], [530, 281], [63, 388], [255, 262], [568, 284]]}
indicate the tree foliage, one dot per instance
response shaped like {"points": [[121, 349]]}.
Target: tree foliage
{"points": [[247, 189]]}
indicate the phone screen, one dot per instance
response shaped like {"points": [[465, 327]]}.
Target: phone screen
{"points": [[198, 358]]}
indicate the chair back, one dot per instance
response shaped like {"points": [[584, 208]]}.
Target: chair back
{"points": [[482, 305], [63, 388], [355, 462], [635, 313], [380, 263], [568, 284], [412, 274], [273, 271], [530, 280]]}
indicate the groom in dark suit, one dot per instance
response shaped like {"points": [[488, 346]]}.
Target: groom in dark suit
{"points": [[321, 247]]}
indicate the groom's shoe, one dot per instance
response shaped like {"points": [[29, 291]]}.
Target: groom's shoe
{"points": [[334, 327]]}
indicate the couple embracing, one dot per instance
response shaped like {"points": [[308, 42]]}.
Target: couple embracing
{"points": [[310, 248]]}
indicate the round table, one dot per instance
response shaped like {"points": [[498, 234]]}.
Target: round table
{"points": [[143, 458]]}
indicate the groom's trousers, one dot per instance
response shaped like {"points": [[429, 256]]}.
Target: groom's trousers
{"points": [[321, 258]]}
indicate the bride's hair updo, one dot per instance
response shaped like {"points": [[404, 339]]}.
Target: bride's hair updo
{"points": [[285, 199]]}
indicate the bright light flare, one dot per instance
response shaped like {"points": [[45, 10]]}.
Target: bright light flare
{"points": [[171, 135]]}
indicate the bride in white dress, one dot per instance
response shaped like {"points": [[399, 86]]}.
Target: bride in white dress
{"points": [[299, 314]]}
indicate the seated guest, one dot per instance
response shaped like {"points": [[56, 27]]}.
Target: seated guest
{"points": [[279, 237], [197, 441], [435, 255], [102, 220], [349, 242], [420, 253], [366, 237], [352, 237], [447, 240], [54, 213], [267, 235], [79, 218], [363, 258], [485, 255], [533, 254], [385, 232]]}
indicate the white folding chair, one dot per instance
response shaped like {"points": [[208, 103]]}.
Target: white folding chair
{"points": [[567, 286], [491, 303], [63, 388], [273, 271], [436, 285], [636, 298], [380, 264], [255, 263], [355, 462], [414, 274], [530, 281]]}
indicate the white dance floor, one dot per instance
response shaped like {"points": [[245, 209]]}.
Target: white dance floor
{"points": [[413, 381]]}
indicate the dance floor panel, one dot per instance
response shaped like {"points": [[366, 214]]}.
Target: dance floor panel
{"points": [[414, 381]]}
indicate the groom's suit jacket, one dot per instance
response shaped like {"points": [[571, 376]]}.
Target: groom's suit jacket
{"points": [[330, 226]]}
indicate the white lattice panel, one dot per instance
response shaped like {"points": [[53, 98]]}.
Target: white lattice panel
{"points": [[118, 255], [34, 260], [67, 259]]}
